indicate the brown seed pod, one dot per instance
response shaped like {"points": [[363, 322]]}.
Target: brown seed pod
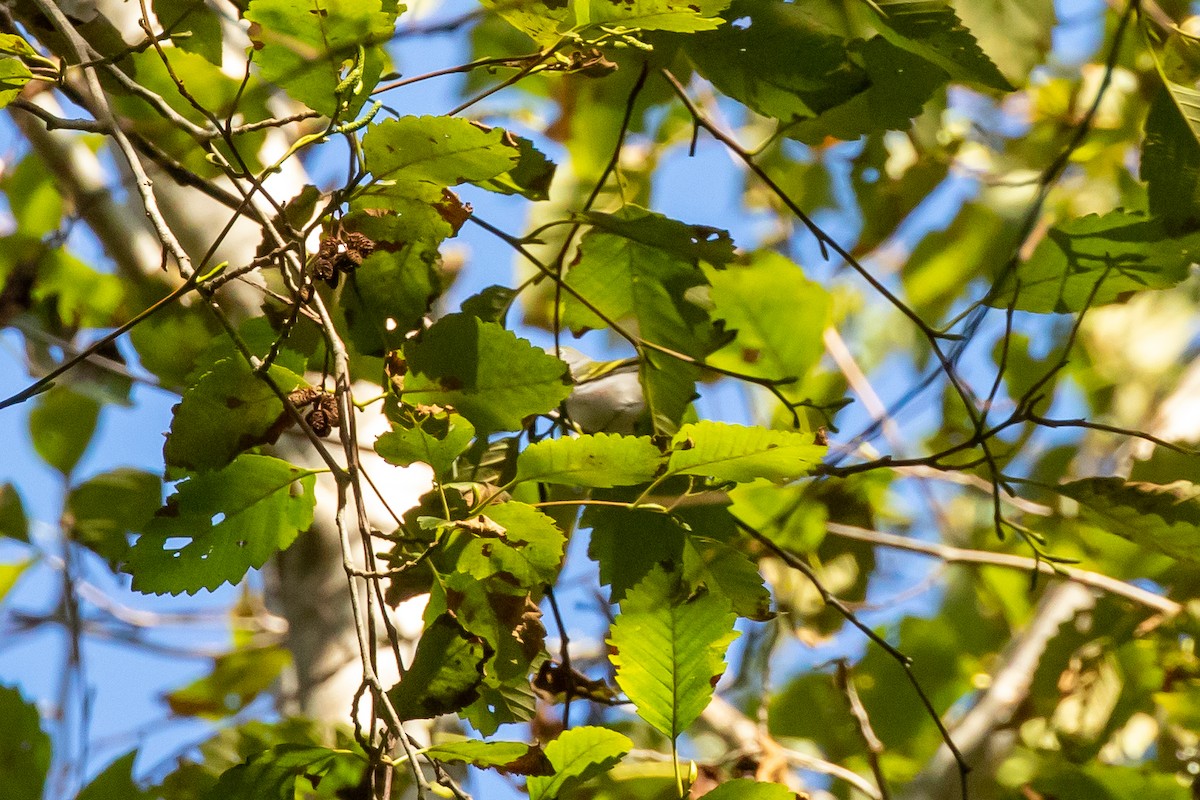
{"points": [[318, 420]]}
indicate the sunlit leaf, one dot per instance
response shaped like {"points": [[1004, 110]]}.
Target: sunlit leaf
{"points": [[579, 754], [747, 789], [669, 649], [434, 437], [514, 758], [308, 47], [218, 525], [599, 461], [738, 453]]}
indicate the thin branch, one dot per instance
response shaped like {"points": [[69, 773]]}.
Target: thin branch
{"points": [[845, 682]]}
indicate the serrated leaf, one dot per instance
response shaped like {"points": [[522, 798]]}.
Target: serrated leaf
{"points": [[484, 372], [108, 507], [14, 75], [932, 30], [513, 758], [627, 543], [579, 754], [778, 317], [228, 521], [420, 156], [689, 242], [742, 60], [1170, 162], [271, 774], [115, 782], [1097, 258], [629, 280], [302, 46], [24, 746], [13, 522], [227, 410], [530, 177], [546, 22], [435, 438], [506, 702], [528, 553], [740, 453], [444, 675], [490, 304], [388, 296], [61, 425], [235, 680], [748, 789], [729, 572], [669, 650], [897, 86], [1165, 517], [596, 461]]}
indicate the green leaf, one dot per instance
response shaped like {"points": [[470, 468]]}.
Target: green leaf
{"points": [[598, 461], [61, 425], [229, 409], [193, 26], [37, 205], [115, 782], [24, 746], [434, 437], [235, 680], [228, 521], [1170, 163], [108, 507], [777, 314], [484, 372], [14, 75], [896, 88], [1101, 258], [490, 304], [272, 774], [729, 572], [388, 296], [1165, 518], [727, 452], [513, 758], [12, 44], [530, 177], [545, 22], [669, 649], [688, 242], [13, 522], [506, 702], [747, 789], [932, 30], [627, 544], [421, 156], [528, 553], [1016, 34], [303, 47], [742, 60], [444, 675], [10, 574], [579, 754], [626, 280]]}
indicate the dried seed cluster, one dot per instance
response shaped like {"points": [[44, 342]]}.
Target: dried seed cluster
{"points": [[341, 254], [324, 416]]}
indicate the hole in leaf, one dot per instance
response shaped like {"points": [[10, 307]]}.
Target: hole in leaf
{"points": [[218, 518], [176, 543], [741, 23]]}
